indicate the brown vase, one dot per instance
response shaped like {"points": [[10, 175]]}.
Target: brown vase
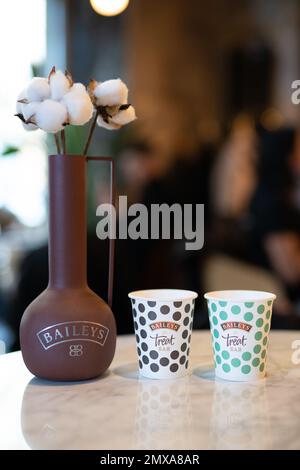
{"points": [[67, 332]]}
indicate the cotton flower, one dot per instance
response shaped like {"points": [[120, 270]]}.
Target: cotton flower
{"points": [[125, 116], [107, 125], [19, 110], [78, 105], [110, 93], [51, 116], [29, 110], [113, 118], [110, 100], [54, 102], [78, 89], [38, 89], [60, 83]]}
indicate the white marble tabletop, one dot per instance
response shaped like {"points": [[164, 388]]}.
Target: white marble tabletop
{"points": [[123, 411]]}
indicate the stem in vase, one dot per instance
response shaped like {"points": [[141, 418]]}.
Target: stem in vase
{"points": [[90, 134], [57, 143], [63, 140]]}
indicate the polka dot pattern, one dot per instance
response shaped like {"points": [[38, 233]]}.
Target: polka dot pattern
{"points": [[157, 359], [236, 310], [261, 309], [248, 316], [165, 309], [223, 315], [246, 369], [244, 360], [164, 361], [258, 335], [235, 362], [225, 354], [153, 354], [152, 315], [246, 356], [226, 367], [255, 362], [176, 316]]}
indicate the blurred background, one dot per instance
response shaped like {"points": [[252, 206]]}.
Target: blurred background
{"points": [[216, 125]]}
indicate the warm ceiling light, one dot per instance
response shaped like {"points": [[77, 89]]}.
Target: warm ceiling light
{"points": [[109, 7]]}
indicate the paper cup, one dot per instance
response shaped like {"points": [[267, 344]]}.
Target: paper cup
{"points": [[163, 322], [240, 324]]}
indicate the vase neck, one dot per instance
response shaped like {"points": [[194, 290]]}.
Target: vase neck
{"points": [[67, 221]]}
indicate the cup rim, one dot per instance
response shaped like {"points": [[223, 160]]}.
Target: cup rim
{"points": [[163, 295], [237, 295]]}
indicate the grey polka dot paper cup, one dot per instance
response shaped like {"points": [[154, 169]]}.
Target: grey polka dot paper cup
{"points": [[163, 323], [240, 324]]}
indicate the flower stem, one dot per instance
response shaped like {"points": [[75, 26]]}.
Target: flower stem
{"points": [[90, 134], [57, 143], [63, 140]]}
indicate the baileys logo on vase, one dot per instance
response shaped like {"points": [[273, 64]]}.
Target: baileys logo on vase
{"points": [[70, 331]]}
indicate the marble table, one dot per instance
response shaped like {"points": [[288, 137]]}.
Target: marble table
{"points": [[123, 411]]}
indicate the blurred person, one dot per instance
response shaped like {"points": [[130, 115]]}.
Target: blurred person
{"points": [[233, 177], [138, 166]]}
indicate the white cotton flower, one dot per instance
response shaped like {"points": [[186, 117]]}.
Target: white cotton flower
{"points": [[116, 118], [110, 93], [38, 89], [29, 110], [59, 85], [29, 127], [19, 110], [79, 106], [21, 96], [78, 88], [125, 116], [51, 116], [109, 126]]}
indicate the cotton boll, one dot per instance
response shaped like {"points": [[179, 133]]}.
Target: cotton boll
{"points": [[30, 109], [111, 126], [51, 116], [111, 93], [78, 89], [29, 127], [59, 85], [19, 110], [79, 106], [20, 97], [38, 89], [125, 116]]}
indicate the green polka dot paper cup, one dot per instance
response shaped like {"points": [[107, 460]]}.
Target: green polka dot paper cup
{"points": [[163, 322], [240, 324]]}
